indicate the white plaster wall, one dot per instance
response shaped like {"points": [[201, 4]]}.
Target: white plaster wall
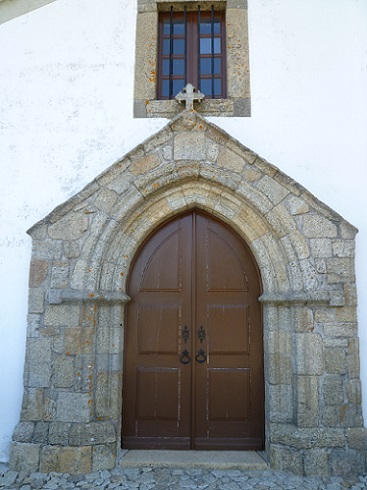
{"points": [[66, 89]]}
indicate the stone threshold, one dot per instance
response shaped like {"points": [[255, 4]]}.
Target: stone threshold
{"points": [[221, 460]]}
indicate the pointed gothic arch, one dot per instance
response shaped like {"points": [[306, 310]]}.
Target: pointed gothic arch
{"points": [[83, 251]]}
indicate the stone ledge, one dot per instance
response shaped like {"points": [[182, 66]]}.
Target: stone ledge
{"points": [[331, 298], [56, 297]]}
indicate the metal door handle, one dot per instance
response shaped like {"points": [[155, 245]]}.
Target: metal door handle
{"points": [[185, 358], [200, 356]]}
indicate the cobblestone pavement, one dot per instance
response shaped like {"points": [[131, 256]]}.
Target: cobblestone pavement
{"points": [[174, 479]]}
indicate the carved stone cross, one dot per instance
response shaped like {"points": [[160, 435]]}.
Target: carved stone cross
{"points": [[188, 95]]}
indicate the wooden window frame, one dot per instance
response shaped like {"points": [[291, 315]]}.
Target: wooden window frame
{"points": [[191, 56], [237, 101]]}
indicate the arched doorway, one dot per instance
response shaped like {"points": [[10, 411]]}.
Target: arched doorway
{"points": [[193, 375]]}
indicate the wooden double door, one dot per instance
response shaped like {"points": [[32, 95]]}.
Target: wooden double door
{"points": [[193, 371]]}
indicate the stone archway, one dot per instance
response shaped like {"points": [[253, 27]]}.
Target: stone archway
{"points": [[83, 251]]}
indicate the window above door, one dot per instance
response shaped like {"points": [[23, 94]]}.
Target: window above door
{"points": [[204, 43]]}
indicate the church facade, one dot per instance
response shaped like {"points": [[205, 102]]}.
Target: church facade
{"points": [[188, 191]]}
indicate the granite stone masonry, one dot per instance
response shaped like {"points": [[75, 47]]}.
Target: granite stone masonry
{"points": [[82, 253]]}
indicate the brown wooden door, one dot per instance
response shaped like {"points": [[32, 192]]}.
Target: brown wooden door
{"points": [[193, 373]]}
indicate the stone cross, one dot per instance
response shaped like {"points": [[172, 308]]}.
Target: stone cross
{"points": [[188, 95]]}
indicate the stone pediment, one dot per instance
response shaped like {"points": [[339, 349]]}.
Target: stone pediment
{"points": [[188, 148]]}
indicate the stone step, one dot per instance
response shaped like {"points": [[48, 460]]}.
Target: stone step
{"points": [[222, 460]]}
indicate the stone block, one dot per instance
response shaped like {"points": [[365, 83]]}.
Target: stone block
{"points": [[272, 189], [60, 274], [303, 320], [357, 438], [48, 249], [145, 165], [316, 226], [106, 200], [32, 406], [321, 247], [347, 463], [340, 270], [353, 358], [74, 460], [108, 390], [49, 407], [335, 360], [343, 248], [307, 438], [285, 459], [229, 160], [71, 250], [280, 403], [59, 433], [296, 205], [189, 146], [72, 226], [73, 407], [279, 346], [24, 457], [92, 434], [237, 53], [333, 390], [104, 457], [23, 432], [36, 299], [63, 372], [307, 401], [340, 330], [295, 245], [108, 340], [79, 340], [40, 435], [38, 272], [64, 315], [309, 354], [38, 362], [316, 463], [354, 391]]}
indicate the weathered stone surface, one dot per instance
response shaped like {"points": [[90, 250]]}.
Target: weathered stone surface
{"points": [[333, 390], [36, 300], [272, 189], [189, 146], [316, 462], [104, 457], [23, 432], [354, 392], [309, 354], [60, 274], [66, 315], [92, 434], [59, 433], [69, 227], [38, 362], [335, 360], [38, 272], [24, 457], [63, 376], [40, 435], [285, 459], [73, 407], [315, 226], [32, 404], [307, 413], [65, 459], [281, 403], [346, 463], [307, 438]]}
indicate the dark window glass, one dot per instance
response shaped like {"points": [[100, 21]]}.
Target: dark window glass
{"points": [[194, 54]]}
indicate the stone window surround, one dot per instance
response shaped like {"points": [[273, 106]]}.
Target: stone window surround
{"points": [[237, 103]]}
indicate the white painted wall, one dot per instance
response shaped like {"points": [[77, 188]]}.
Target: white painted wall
{"points": [[66, 89]]}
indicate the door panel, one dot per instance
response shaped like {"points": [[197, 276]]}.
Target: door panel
{"points": [[194, 358]]}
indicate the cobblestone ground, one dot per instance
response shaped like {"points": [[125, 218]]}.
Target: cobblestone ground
{"points": [[174, 479]]}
